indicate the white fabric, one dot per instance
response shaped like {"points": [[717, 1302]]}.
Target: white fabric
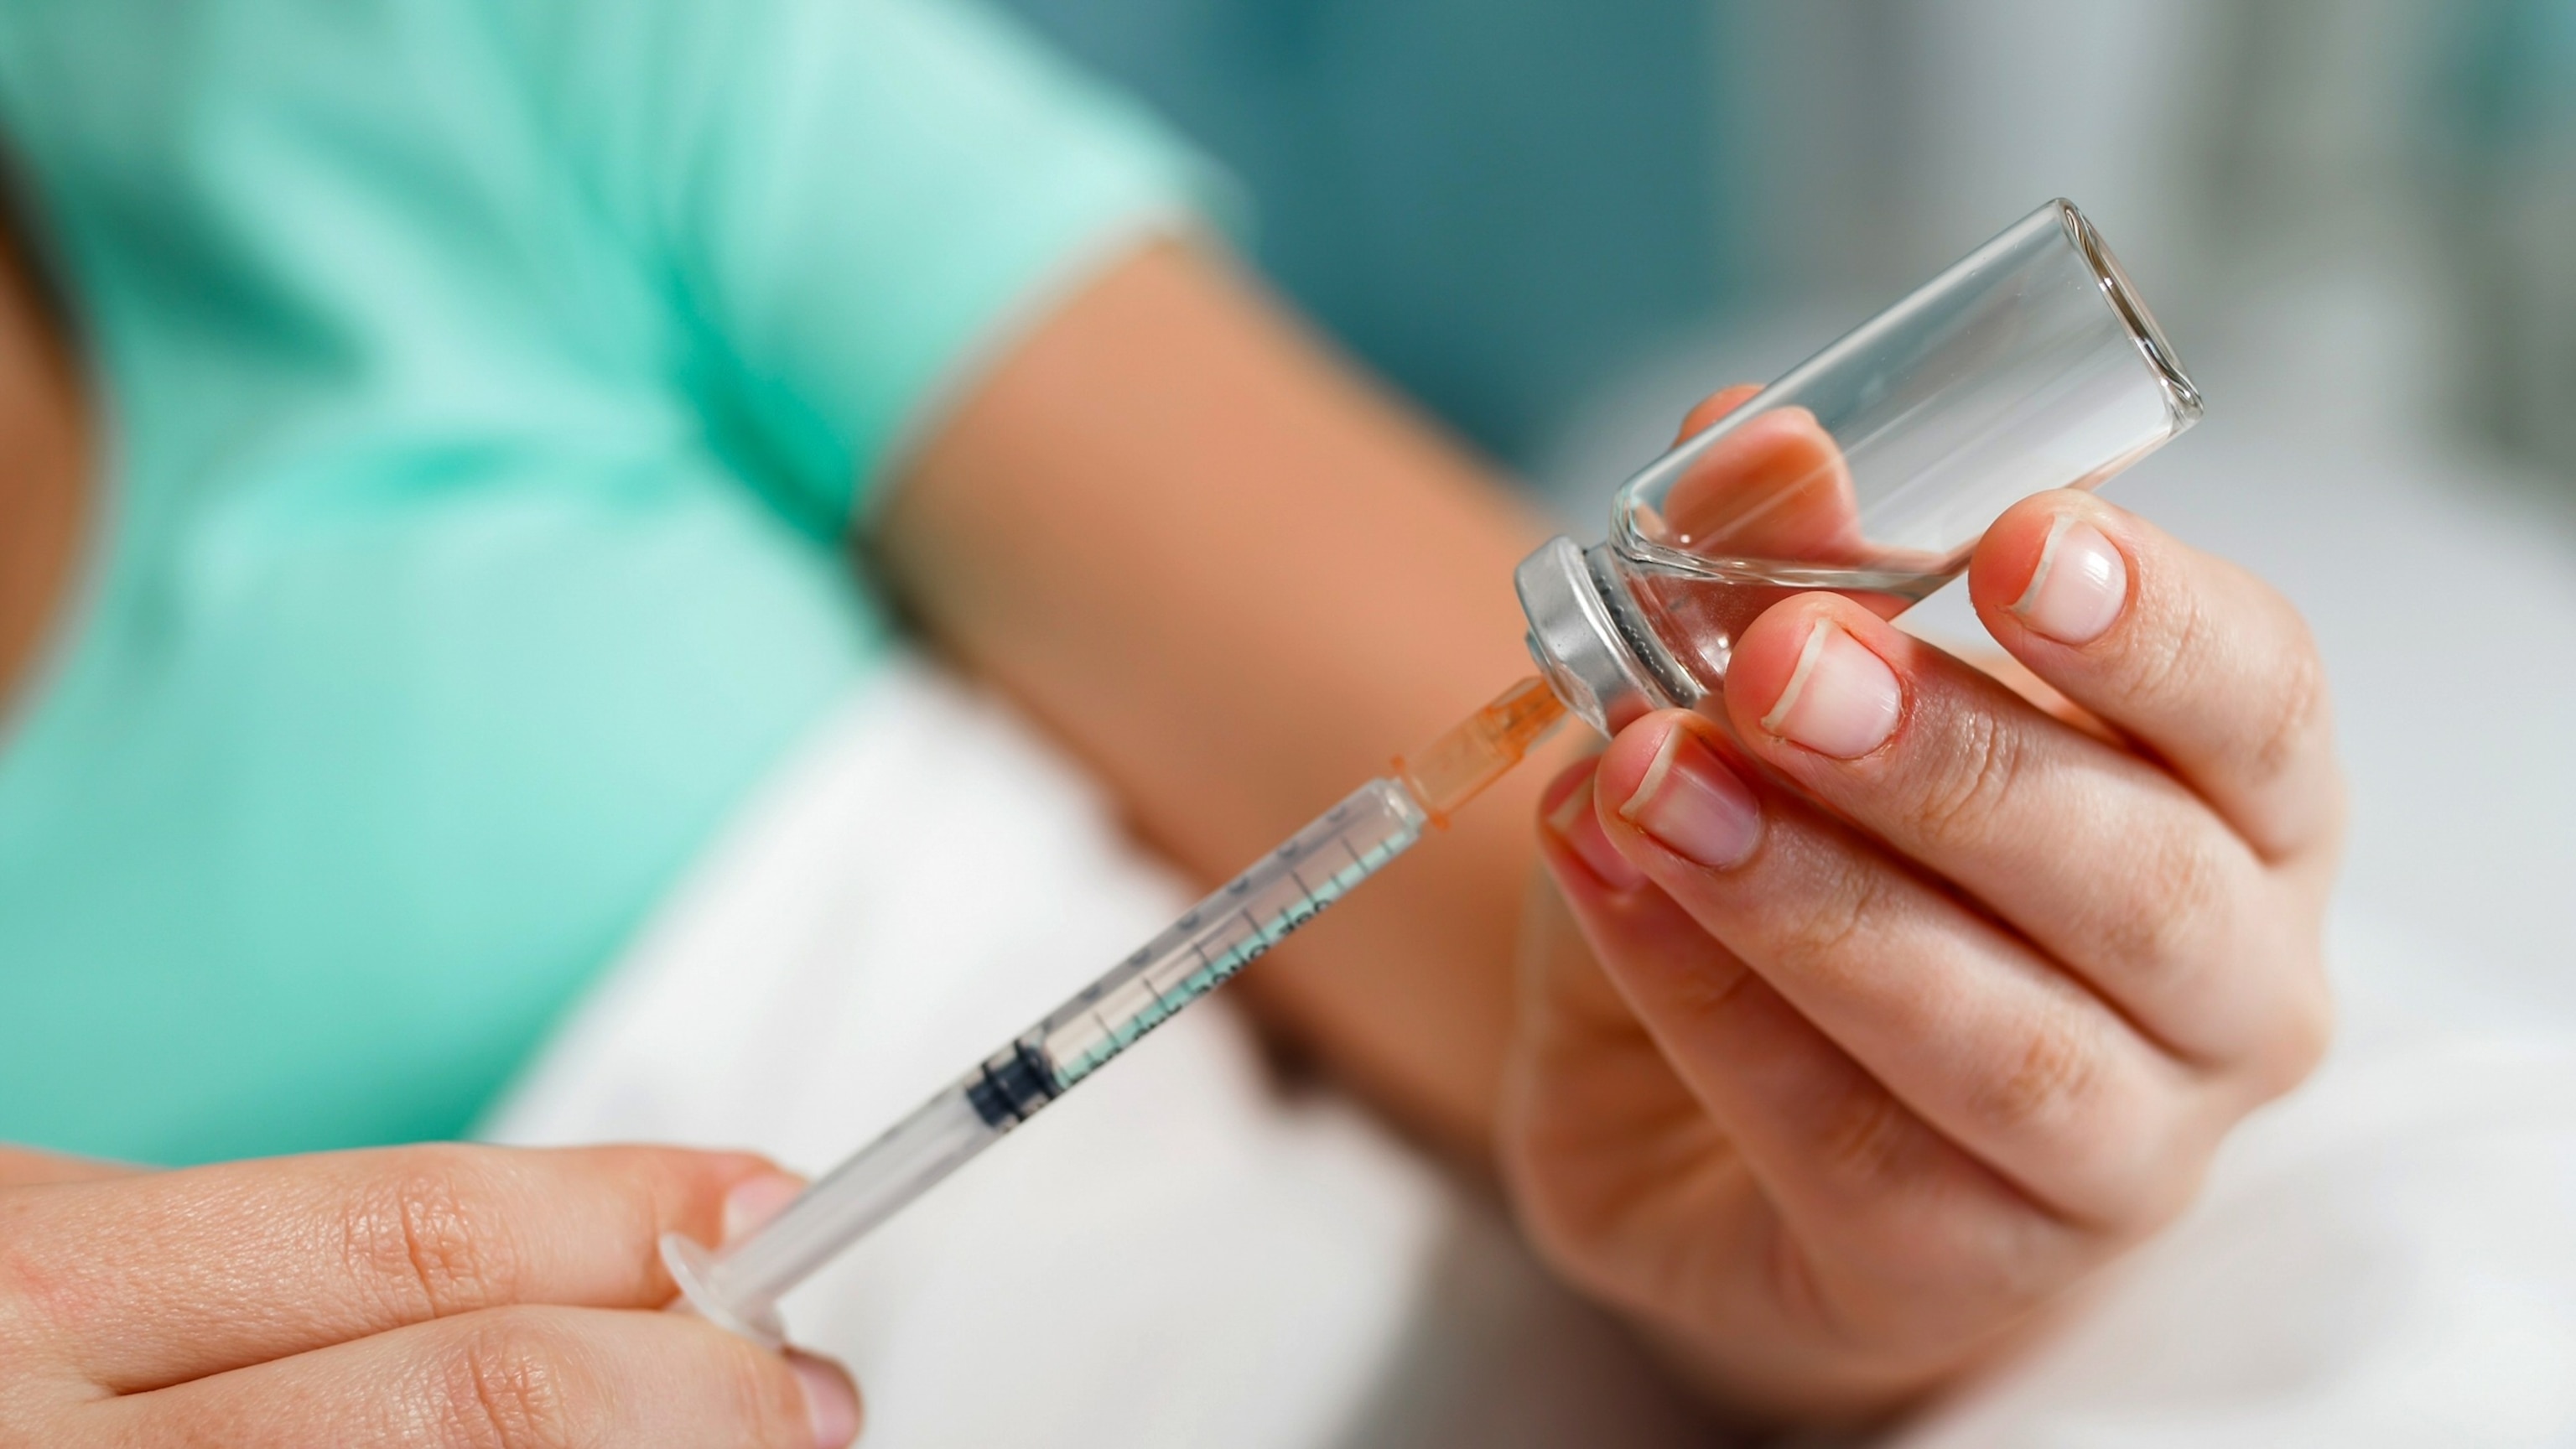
{"points": [[1178, 1255]]}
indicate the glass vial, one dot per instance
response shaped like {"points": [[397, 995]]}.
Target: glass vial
{"points": [[1871, 469]]}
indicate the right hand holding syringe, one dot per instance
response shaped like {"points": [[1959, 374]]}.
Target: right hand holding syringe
{"points": [[1871, 470]]}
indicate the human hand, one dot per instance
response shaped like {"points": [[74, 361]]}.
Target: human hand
{"points": [[1884, 1006], [426, 1296]]}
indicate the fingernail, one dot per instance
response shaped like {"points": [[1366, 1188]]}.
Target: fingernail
{"points": [[1694, 804], [1575, 823], [831, 1400], [755, 1200], [2079, 586], [1842, 700]]}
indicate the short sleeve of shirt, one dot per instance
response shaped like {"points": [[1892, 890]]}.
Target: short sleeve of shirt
{"points": [[855, 201]]}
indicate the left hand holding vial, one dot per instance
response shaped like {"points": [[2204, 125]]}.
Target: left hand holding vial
{"points": [[1881, 1014]]}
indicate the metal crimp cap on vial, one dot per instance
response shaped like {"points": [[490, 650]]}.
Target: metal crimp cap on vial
{"points": [[1577, 643]]}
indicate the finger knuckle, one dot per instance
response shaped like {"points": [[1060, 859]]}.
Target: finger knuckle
{"points": [[1970, 1245], [509, 1385], [1820, 934], [1968, 783], [2165, 664], [2050, 1086], [1703, 995], [1868, 1139], [427, 1237], [41, 1291], [2293, 721], [2183, 887]]}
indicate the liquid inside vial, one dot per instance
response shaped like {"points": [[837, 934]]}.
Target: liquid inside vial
{"points": [[1699, 613]]}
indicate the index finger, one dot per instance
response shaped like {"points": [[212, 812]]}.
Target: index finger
{"points": [[144, 1282], [2191, 656]]}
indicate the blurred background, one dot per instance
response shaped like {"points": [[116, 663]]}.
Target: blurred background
{"points": [[1557, 222]]}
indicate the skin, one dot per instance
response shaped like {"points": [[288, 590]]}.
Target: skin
{"points": [[473, 1297], [1230, 578]]}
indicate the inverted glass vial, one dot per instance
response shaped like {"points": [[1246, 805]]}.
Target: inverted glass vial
{"points": [[1871, 469]]}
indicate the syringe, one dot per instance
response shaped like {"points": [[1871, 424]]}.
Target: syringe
{"points": [[739, 1288]]}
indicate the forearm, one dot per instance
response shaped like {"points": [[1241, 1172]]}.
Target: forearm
{"points": [[1234, 580]]}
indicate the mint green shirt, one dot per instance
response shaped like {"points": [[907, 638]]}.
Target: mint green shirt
{"points": [[487, 388]]}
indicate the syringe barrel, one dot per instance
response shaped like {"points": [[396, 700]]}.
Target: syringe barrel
{"points": [[869, 1186], [1234, 926]]}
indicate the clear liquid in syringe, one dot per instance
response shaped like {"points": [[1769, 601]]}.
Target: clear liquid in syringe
{"points": [[1223, 934]]}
